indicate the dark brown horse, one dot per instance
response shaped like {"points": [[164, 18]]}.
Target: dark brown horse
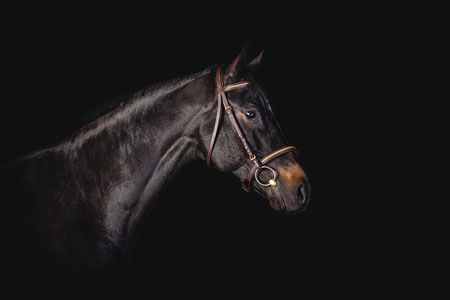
{"points": [[79, 201]]}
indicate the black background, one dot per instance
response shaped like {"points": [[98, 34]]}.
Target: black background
{"points": [[333, 77]]}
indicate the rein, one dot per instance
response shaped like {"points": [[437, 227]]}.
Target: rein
{"points": [[259, 164]]}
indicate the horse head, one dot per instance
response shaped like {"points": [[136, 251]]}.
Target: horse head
{"points": [[250, 143]]}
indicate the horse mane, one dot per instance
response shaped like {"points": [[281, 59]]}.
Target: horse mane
{"points": [[121, 106], [148, 94]]}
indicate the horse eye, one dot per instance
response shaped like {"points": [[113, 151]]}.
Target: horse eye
{"points": [[250, 114]]}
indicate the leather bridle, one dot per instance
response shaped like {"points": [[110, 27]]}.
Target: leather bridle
{"points": [[259, 164]]}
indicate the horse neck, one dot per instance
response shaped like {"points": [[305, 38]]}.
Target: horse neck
{"points": [[145, 151]]}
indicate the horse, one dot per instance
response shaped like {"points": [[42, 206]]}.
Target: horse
{"points": [[80, 200]]}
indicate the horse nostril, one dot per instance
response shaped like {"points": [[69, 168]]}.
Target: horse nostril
{"points": [[303, 193]]}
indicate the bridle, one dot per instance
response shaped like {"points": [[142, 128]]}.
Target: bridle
{"points": [[259, 164]]}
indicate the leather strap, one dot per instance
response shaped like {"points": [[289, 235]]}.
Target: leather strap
{"points": [[223, 101], [214, 135], [232, 118], [246, 183]]}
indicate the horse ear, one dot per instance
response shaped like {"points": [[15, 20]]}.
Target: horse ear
{"points": [[238, 64], [256, 61]]}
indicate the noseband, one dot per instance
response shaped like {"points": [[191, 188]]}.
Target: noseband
{"points": [[259, 164]]}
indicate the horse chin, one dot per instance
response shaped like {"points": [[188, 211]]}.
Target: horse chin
{"points": [[280, 206], [275, 201], [278, 203]]}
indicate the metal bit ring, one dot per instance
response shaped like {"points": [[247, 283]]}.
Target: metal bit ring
{"points": [[272, 182]]}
